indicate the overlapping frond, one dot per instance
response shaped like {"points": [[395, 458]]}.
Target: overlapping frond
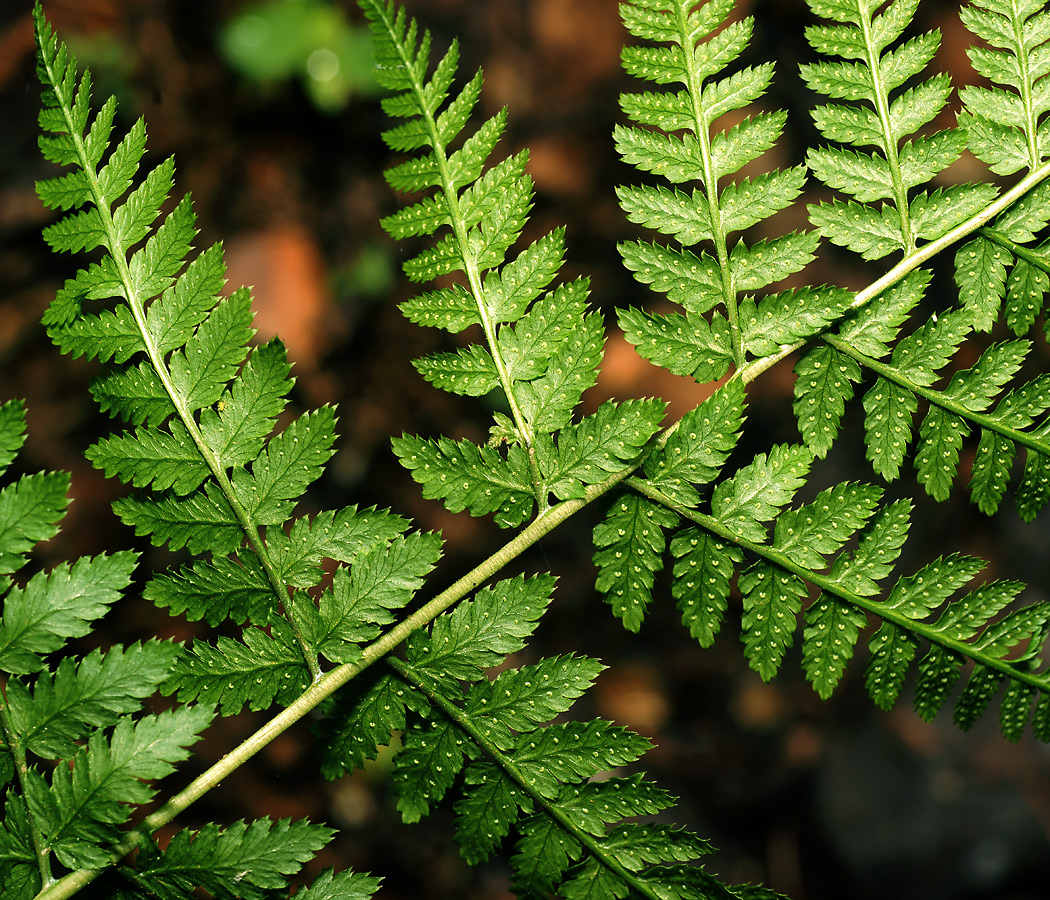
{"points": [[681, 137], [845, 544], [1006, 123], [985, 399], [893, 212], [248, 861], [1007, 128], [541, 347]]}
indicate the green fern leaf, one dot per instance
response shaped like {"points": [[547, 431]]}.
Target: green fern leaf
{"points": [[703, 571], [30, 509], [427, 765], [867, 79], [680, 143], [547, 402], [53, 607], [470, 371], [1026, 289], [469, 477], [340, 535], [696, 451], [85, 803], [518, 700], [830, 637], [790, 317], [237, 427], [360, 601], [485, 813], [543, 365], [604, 442], [826, 380], [756, 493], [345, 885], [12, 431], [478, 633], [232, 588], [263, 670], [203, 522], [94, 693], [684, 345], [241, 860], [873, 328], [153, 457], [174, 316], [216, 349], [451, 308], [135, 394], [290, 462], [630, 546], [1003, 123], [772, 602]]}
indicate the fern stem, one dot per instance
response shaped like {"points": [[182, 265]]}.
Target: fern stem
{"points": [[939, 398], [911, 262], [882, 108], [330, 682], [825, 583], [703, 136], [136, 304], [463, 721], [18, 755]]}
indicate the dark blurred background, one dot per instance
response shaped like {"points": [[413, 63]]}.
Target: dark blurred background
{"points": [[273, 117]]}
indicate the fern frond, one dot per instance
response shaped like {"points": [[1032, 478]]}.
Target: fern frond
{"points": [[679, 141], [1005, 124], [84, 805], [517, 774], [535, 351], [1000, 273], [62, 708], [961, 405], [807, 549], [888, 214]]}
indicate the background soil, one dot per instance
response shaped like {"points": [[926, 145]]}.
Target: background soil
{"points": [[820, 800]]}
